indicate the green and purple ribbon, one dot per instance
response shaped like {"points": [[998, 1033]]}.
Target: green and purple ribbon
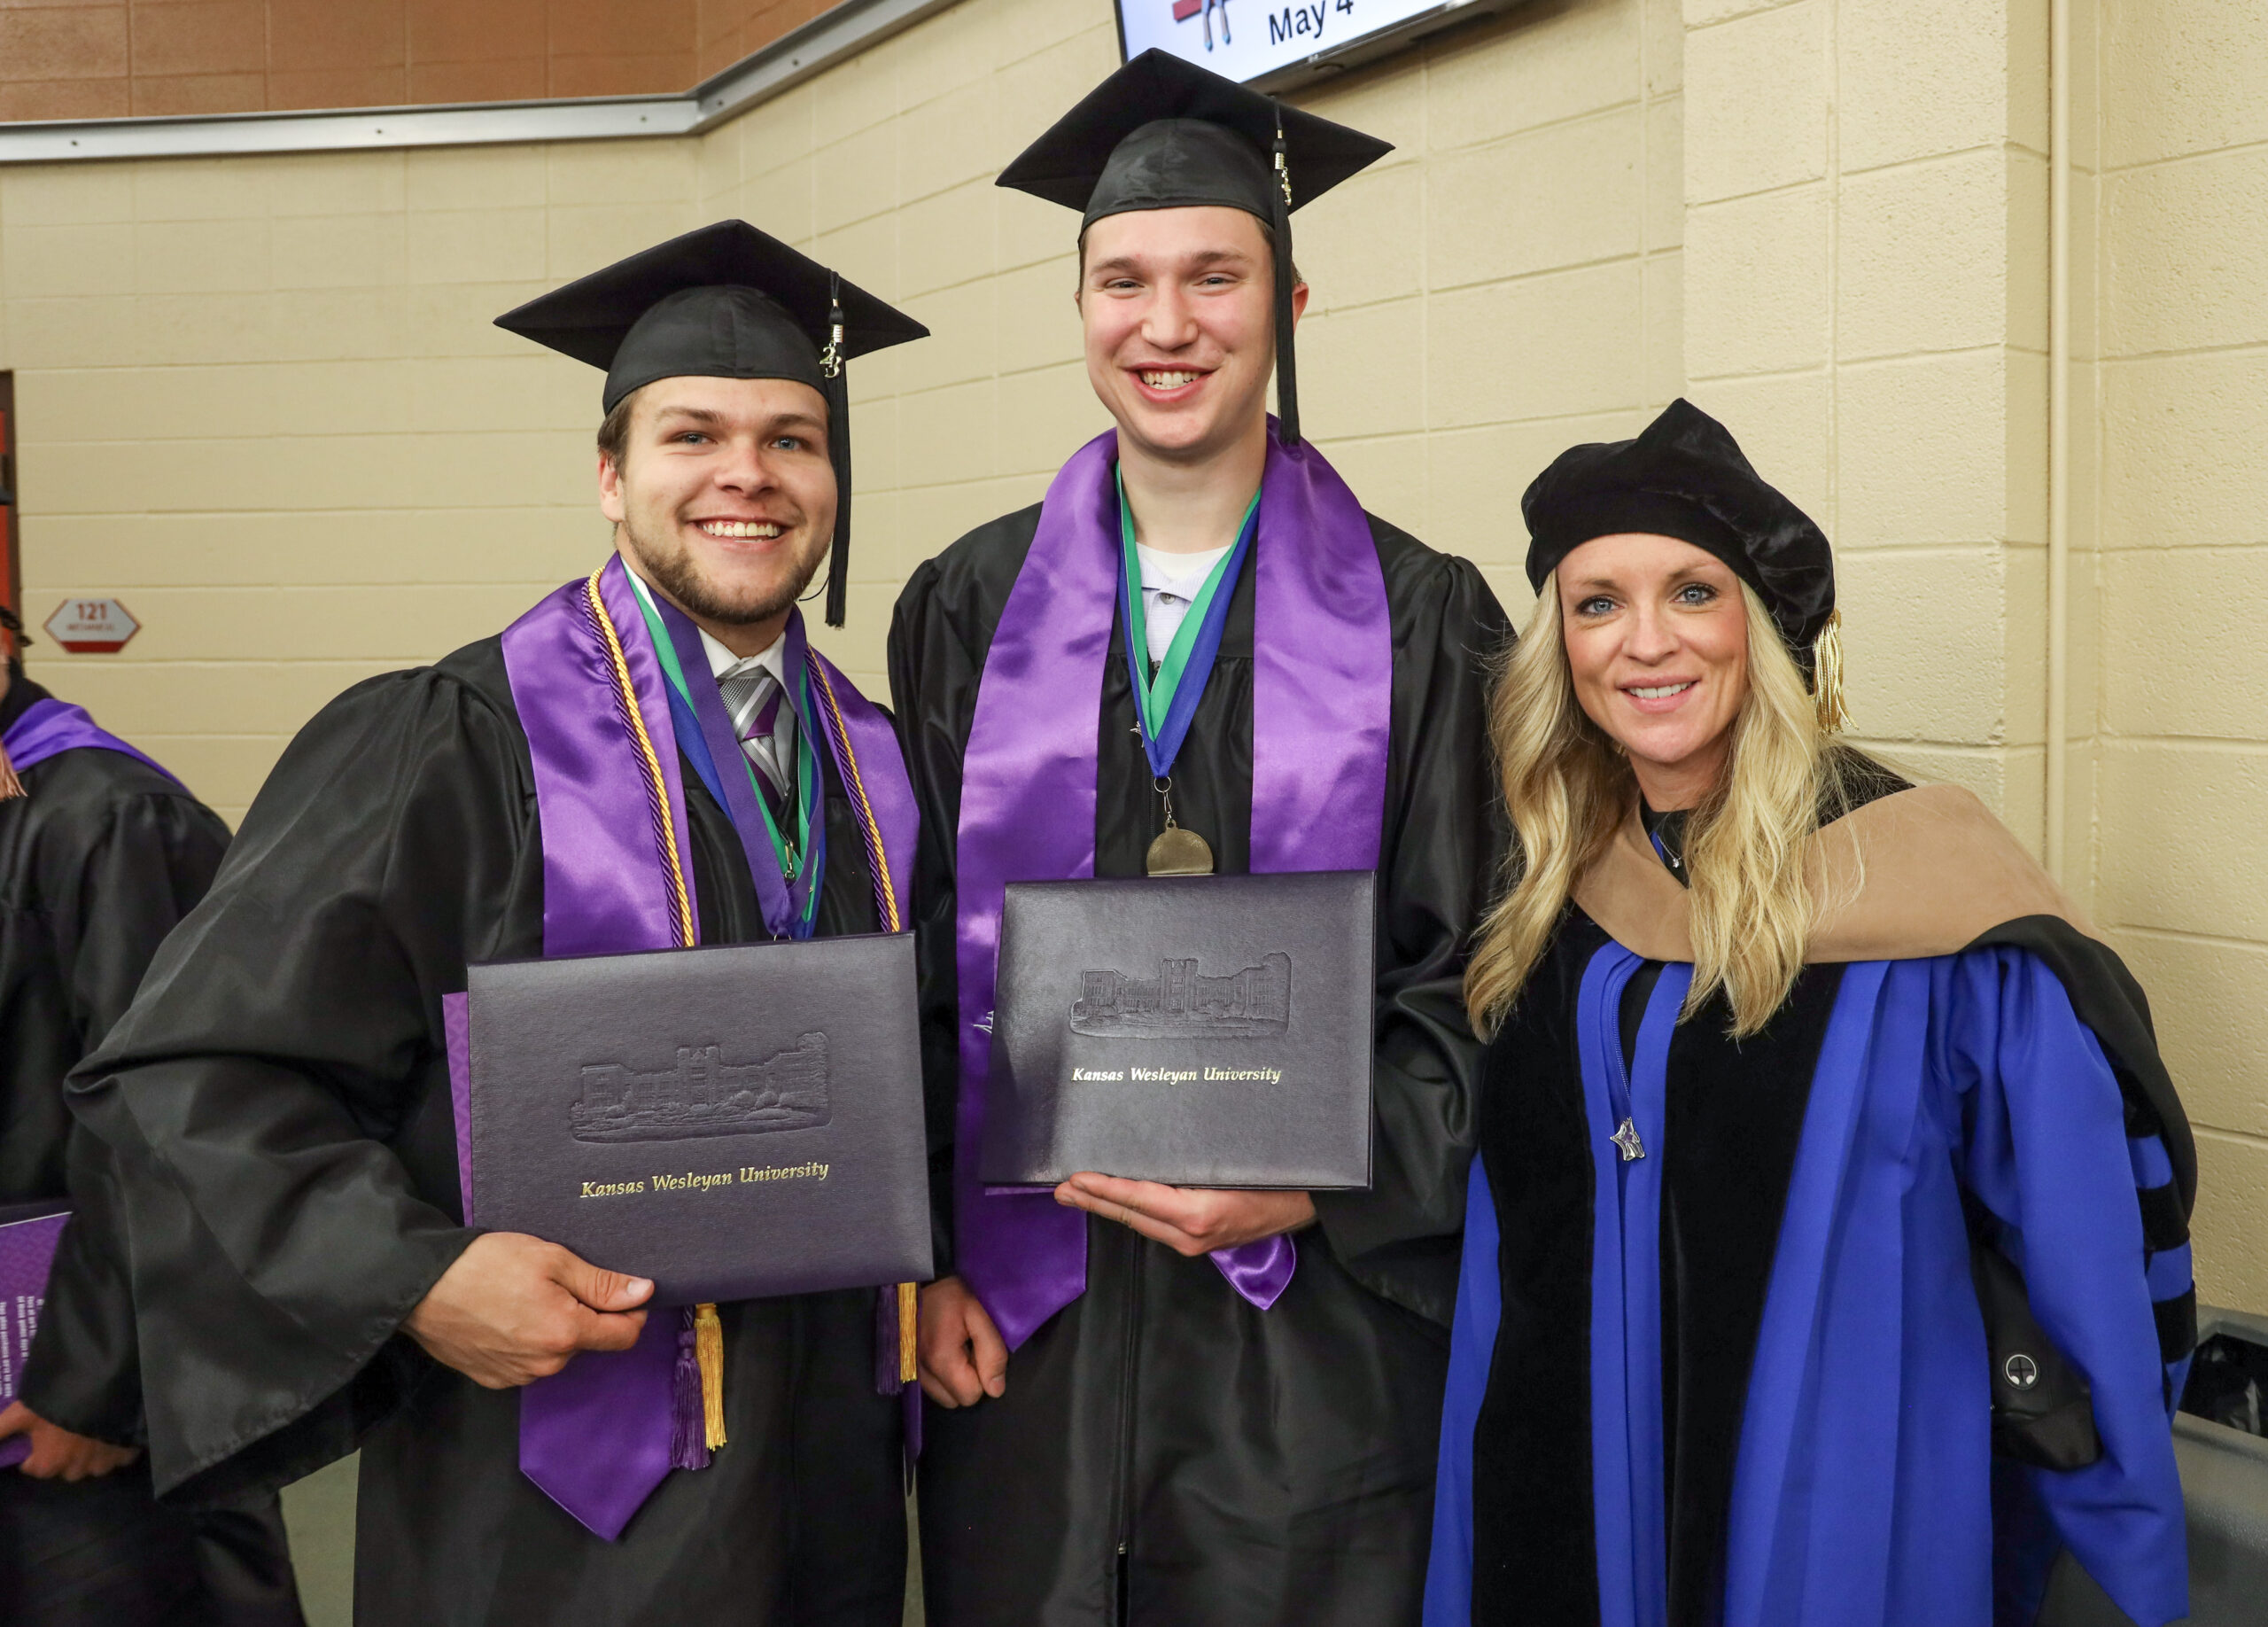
{"points": [[1323, 672]]}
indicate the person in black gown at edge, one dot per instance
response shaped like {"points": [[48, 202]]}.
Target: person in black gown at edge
{"points": [[277, 1099], [1826, 1257], [1126, 1436], [101, 852]]}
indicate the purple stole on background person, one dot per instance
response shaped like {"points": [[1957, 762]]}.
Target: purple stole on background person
{"points": [[50, 726], [618, 878], [1322, 671]]}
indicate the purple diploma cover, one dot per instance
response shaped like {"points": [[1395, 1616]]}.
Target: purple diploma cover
{"points": [[734, 1122], [28, 1233]]}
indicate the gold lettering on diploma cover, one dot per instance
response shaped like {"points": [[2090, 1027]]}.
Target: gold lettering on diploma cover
{"points": [[1208, 1073], [694, 1180], [791, 1172]]}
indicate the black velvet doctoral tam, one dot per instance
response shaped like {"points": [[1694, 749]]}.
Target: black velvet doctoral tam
{"points": [[1686, 477]]}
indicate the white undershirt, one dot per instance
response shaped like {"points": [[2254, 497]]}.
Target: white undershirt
{"points": [[1170, 584]]}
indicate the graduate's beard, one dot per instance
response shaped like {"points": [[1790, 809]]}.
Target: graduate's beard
{"points": [[677, 573]]}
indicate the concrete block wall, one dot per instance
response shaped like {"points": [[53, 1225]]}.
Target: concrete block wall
{"points": [[1865, 279], [1504, 283], [260, 401], [2174, 193]]}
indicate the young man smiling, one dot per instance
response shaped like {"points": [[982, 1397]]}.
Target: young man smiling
{"points": [[1154, 1405], [279, 1096]]}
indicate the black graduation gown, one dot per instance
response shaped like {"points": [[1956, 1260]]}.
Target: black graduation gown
{"points": [[98, 859], [1165, 1453], [279, 1097]]}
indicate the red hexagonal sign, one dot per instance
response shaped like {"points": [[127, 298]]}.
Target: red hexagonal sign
{"points": [[92, 626]]}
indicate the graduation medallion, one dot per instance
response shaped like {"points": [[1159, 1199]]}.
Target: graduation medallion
{"points": [[1176, 851], [1179, 853]]}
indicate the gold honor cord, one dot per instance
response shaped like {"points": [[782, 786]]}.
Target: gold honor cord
{"points": [[708, 1332], [658, 790], [891, 920], [908, 1301]]}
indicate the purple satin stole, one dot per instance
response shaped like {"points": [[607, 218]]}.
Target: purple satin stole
{"points": [[598, 1436], [1322, 671], [50, 726]]}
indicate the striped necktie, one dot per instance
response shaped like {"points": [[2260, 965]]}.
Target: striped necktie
{"points": [[765, 725]]}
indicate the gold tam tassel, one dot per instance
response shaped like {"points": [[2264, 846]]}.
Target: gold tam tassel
{"points": [[1827, 676], [10, 785], [908, 1315], [709, 1350]]}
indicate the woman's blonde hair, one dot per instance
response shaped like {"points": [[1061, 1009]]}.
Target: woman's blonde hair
{"points": [[1568, 788]]}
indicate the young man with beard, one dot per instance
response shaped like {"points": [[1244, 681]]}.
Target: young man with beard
{"points": [[102, 851], [278, 1099], [1155, 1404]]}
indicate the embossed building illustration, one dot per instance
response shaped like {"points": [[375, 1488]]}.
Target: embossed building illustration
{"points": [[1180, 1002], [705, 1095]]}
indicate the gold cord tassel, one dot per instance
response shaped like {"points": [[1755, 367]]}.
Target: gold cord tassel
{"points": [[1827, 676], [908, 1313], [10, 785], [709, 1350]]}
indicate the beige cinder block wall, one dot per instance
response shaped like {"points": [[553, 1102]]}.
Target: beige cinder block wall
{"points": [[2172, 138], [260, 401], [1504, 283], [1867, 273], [1866, 304]]}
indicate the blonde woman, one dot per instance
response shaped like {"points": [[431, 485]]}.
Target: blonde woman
{"points": [[1826, 1255]]}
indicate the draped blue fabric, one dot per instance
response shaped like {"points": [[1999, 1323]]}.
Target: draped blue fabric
{"points": [[1473, 1342], [1628, 1498], [1864, 1490]]}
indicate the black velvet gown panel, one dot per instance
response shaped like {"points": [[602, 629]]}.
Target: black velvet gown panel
{"points": [[278, 1097], [98, 861], [1736, 1114], [1166, 1453], [1534, 1552]]}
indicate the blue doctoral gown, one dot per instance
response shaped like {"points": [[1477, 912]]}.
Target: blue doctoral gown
{"points": [[1743, 1378]]}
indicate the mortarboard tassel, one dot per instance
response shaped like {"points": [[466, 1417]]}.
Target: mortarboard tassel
{"points": [[10, 785], [838, 442], [688, 1448], [1287, 371], [709, 1351], [1827, 676]]}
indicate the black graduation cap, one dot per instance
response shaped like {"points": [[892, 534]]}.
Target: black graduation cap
{"points": [[1165, 134], [1685, 477], [725, 301]]}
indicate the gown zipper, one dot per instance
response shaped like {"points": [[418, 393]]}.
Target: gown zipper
{"points": [[1123, 1494]]}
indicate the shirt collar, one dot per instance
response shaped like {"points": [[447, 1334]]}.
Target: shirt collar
{"points": [[723, 662], [1181, 575]]}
